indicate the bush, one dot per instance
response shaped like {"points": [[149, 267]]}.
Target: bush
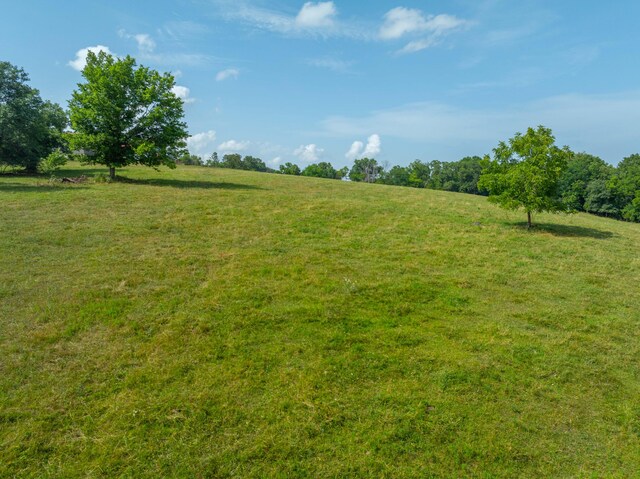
{"points": [[52, 163]]}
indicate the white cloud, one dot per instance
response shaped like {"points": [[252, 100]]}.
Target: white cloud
{"points": [[604, 125], [359, 150], [308, 153], [201, 143], [276, 161], [183, 93], [314, 18], [147, 51], [401, 21], [316, 15], [261, 18], [233, 145], [355, 151], [145, 43], [182, 29], [417, 45], [228, 73], [443, 23], [81, 56], [373, 147]]}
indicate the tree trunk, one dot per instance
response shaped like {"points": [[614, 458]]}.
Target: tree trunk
{"points": [[112, 172], [528, 219]]}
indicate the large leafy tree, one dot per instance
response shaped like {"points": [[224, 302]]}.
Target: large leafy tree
{"points": [[30, 128], [124, 114], [525, 173]]}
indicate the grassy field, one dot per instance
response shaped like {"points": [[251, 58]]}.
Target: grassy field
{"points": [[216, 323]]}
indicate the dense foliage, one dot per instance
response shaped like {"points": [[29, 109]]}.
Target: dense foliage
{"points": [[324, 170], [30, 128], [124, 114], [290, 169], [235, 161]]}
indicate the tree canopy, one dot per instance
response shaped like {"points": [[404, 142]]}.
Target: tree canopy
{"points": [[124, 114], [323, 170], [626, 184], [525, 173], [365, 169], [30, 128], [289, 169]]}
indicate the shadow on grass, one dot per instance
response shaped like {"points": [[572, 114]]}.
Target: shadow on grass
{"points": [[187, 184], [568, 231], [37, 188]]}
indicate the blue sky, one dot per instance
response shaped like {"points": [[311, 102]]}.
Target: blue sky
{"points": [[332, 81]]}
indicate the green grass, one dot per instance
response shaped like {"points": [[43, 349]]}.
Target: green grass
{"points": [[216, 323]]}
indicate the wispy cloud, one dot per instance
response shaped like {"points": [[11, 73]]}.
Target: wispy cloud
{"points": [[227, 74], [430, 29], [182, 29], [147, 47], [329, 63], [313, 19]]}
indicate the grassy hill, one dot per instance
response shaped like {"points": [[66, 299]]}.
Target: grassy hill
{"points": [[218, 323]]}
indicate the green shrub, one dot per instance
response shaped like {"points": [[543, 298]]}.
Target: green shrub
{"points": [[52, 163]]}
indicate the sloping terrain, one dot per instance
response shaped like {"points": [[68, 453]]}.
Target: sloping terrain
{"points": [[217, 323]]}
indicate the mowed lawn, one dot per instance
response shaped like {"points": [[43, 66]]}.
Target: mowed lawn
{"points": [[216, 323]]}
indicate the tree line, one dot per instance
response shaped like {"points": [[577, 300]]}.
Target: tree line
{"points": [[128, 114], [586, 183]]}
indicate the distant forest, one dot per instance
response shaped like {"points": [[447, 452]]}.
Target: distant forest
{"points": [[588, 184]]}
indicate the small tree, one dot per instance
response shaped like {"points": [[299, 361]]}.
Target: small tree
{"points": [[52, 162], [126, 114], [525, 173]]}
